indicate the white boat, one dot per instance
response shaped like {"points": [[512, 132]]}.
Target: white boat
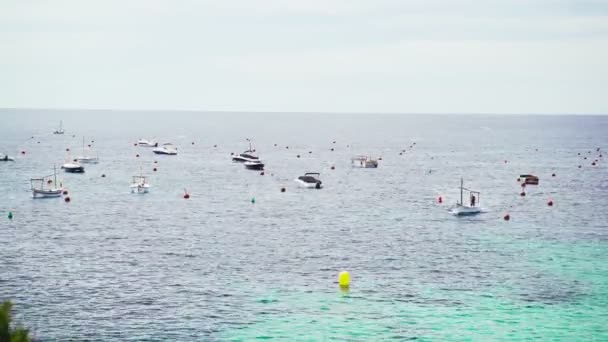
{"points": [[310, 180], [60, 129], [40, 191], [467, 210], [84, 158], [254, 165], [246, 156], [167, 149], [147, 143], [140, 185], [73, 167], [6, 157], [364, 162]]}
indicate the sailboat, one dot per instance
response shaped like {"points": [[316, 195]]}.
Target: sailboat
{"points": [[60, 130], [40, 191], [465, 210], [85, 158], [140, 184]]}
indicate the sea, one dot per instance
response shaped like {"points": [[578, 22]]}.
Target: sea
{"points": [[242, 260]]}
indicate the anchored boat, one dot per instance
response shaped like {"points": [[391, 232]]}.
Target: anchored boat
{"points": [[167, 149], [39, 190], [460, 209], [246, 156], [364, 162], [84, 158], [310, 180], [60, 129]]}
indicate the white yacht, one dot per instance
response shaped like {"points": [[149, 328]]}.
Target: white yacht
{"points": [[168, 149], [310, 180], [73, 167], [246, 156], [147, 143]]}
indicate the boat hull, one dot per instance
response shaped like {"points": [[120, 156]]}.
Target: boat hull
{"points": [[465, 211], [140, 189], [254, 166], [87, 160], [46, 193], [74, 169], [307, 185]]}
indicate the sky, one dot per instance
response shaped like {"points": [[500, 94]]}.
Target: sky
{"points": [[389, 56]]}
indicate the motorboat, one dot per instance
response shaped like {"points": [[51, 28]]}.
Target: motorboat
{"points": [[85, 158], [310, 180], [73, 167], [364, 162], [167, 149], [529, 179], [246, 156], [6, 157], [140, 185], [40, 190], [460, 209], [60, 129], [147, 143], [254, 165]]}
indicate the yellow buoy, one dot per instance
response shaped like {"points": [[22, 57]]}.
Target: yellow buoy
{"points": [[344, 279]]}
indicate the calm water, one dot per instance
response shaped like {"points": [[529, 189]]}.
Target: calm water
{"points": [[111, 265]]}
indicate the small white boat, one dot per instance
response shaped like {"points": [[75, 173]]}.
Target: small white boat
{"points": [[467, 210], [6, 157], [147, 143], [246, 156], [254, 165], [73, 167], [85, 158], [310, 180], [167, 149], [364, 162], [39, 189], [60, 129], [140, 185]]}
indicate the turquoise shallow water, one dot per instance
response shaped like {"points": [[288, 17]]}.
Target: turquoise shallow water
{"points": [[114, 266]]}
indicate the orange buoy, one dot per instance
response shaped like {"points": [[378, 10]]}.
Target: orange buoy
{"points": [[282, 189], [22, 152], [67, 150], [137, 155], [103, 175], [193, 143], [262, 173], [593, 164], [507, 217], [154, 169], [522, 194], [333, 167], [67, 199], [440, 199], [186, 195], [550, 203], [553, 175], [298, 156], [65, 192]]}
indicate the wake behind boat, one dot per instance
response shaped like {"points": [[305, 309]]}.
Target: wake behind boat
{"points": [[467, 210], [310, 180]]}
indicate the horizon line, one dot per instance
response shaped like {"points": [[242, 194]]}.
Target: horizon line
{"points": [[294, 112]]}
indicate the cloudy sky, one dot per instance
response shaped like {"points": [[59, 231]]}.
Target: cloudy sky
{"points": [[407, 56]]}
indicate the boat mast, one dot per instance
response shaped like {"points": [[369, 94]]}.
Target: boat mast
{"points": [[461, 185], [55, 175]]}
